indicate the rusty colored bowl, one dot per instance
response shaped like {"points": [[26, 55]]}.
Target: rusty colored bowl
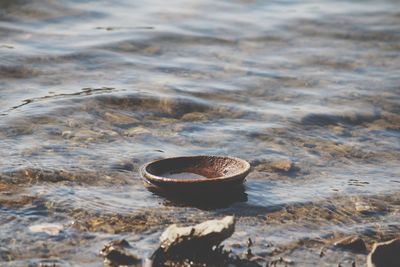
{"points": [[195, 172]]}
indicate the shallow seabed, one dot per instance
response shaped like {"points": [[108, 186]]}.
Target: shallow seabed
{"points": [[307, 91]]}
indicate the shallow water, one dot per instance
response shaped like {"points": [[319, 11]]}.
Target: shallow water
{"points": [[183, 175], [308, 92]]}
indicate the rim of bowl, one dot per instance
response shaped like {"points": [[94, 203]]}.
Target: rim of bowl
{"points": [[149, 176]]}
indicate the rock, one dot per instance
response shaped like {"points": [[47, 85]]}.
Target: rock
{"points": [[49, 263], [85, 135], [48, 228], [137, 131], [67, 134], [73, 123], [370, 207], [3, 186], [353, 243], [120, 118], [199, 245], [309, 145], [108, 133], [385, 254], [282, 165], [123, 166], [202, 236], [116, 253], [194, 116]]}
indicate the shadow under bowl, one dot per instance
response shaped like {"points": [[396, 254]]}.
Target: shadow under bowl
{"points": [[195, 173]]}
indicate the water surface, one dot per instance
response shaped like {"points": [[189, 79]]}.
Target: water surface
{"points": [[308, 92]]}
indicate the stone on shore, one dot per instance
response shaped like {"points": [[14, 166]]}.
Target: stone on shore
{"points": [[200, 237], [385, 254]]}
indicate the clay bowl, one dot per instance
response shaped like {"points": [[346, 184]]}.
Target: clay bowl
{"points": [[195, 173]]}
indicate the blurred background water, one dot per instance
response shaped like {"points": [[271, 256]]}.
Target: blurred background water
{"points": [[307, 91]]}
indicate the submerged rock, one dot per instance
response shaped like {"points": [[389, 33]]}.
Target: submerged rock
{"points": [[282, 165], [354, 243], [135, 131], [120, 118], [67, 134], [385, 254], [48, 228], [116, 253], [194, 116], [3, 186], [200, 237]]}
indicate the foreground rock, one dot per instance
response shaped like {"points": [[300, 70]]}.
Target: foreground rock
{"points": [[200, 237], [385, 254], [116, 253], [353, 243], [198, 245]]}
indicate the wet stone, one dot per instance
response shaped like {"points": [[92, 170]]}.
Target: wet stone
{"points": [[369, 206], [116, 253], [67, 134], [194, 116], [202, 236], [117, 223], [353, 243], [310, 145], [48, 228], [123, 166], [3, 187], [119, 118], [73, 123], [5, 254], [199, 245], [283, 166], [136, 131], [85, 135], [385, 254]]}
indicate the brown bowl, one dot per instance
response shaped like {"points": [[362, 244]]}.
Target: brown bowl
{"points": [[195, 172]]}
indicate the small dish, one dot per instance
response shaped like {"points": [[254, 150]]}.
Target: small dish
{"points": [[195, 172]]}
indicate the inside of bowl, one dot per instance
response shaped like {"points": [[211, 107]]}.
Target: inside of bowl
{"points": [[196, 167]]}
